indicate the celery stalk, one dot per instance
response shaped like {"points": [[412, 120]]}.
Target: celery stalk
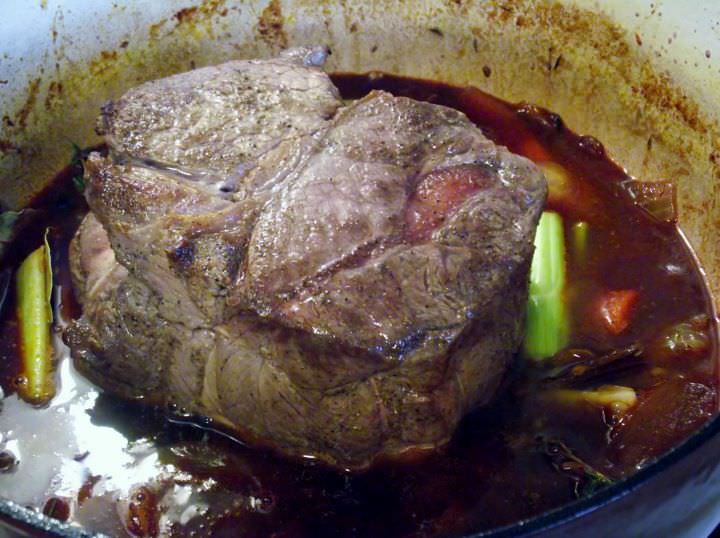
{"points": [[580, 239], [546, 330], [34, 289]]}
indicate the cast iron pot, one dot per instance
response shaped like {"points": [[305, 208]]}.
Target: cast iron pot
{"points": [[639, 76]]}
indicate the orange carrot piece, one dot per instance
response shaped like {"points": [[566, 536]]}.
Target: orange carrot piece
{"points": [[533, 150], [616, 309]]}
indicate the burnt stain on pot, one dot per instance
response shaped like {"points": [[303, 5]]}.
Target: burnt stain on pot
{"points": [[186, 14], [201, 14], [610, 42], [270, 27], [154, 30], [7, 147], [28, 106], [54, 94], [192, 22], [104, 64]]}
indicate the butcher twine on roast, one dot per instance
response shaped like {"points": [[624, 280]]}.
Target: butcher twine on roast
{"points": [[340, 281]]}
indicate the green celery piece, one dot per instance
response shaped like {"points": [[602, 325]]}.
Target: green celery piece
{"points": [[580, 232], [546, 330]]}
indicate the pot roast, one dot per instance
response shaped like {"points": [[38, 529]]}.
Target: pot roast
{"points": [[336, 280]]}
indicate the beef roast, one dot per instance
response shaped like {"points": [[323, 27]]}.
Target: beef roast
{"points": [[337, 281]]}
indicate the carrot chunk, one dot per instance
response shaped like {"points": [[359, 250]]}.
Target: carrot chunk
{"points": [[616, 309], [533, 150]]}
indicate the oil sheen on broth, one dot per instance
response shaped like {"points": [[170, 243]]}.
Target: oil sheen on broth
{"points": [[123, 469]]}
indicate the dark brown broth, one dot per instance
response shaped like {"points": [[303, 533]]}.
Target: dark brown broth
{"points": [[494, 472]]}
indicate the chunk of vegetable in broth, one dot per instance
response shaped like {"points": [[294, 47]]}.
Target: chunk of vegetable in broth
{"points": [[614, 397], [547, 321], [34, 288], [580, 231], [534, 151], [616, 309], [663, 415], [685, 340], [558, 180]]}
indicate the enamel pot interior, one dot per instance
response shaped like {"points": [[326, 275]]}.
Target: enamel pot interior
{"points": [[644, 78]]}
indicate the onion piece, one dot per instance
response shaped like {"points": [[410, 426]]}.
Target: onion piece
{"points": [[558, 181], [685, 340], [617, 398]]}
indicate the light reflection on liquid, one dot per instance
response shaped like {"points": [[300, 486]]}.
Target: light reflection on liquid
{"points": [[59, 447], [73, 450]]}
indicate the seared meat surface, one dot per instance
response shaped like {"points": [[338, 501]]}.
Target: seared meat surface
{"points": [[344, 282]]}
